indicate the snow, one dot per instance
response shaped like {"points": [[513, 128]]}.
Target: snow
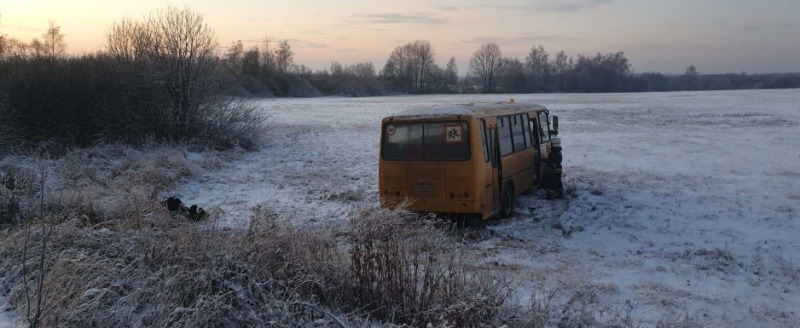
{"points": [[680, 205], [8, 318]]}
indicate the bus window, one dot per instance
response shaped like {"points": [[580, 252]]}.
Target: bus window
{"points": [[544, 131], [517, 131], [485, 145], [504, 131], [426, 141], [527, 126]]}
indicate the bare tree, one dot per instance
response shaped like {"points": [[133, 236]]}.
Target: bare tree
{"points": [[690, 77], [451, 75], [511, 76], [128, 40], [399, 68], [54, 41], [422, 54], [37, 48], [484, 65], [3, 41], [361, 70], [410, 66], [268, 62], [538, 67], [561, 66], [284, 57], [234, 56], [250, 62], [179, 50], [181, 47]]}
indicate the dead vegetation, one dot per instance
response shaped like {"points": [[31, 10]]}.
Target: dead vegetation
{"points": [[93, 247], [152, 269], [406, 270]]}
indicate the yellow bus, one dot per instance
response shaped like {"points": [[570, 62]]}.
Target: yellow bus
{"points": [[464, 160]]}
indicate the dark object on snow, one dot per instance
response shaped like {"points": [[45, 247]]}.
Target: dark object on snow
{"points": [[8, 181], [9, 211], [196, 213], [551, 180], [175, 205]]}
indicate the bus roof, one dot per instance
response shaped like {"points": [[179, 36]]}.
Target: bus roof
{"points": [[471, 109]]}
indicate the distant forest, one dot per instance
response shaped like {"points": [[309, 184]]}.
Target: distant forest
{"points": [[159, 78], [269, 69]]}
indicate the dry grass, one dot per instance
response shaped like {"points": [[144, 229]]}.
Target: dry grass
{"points": [[155, 270], [96, 249], [404, 269], [160, 271]]}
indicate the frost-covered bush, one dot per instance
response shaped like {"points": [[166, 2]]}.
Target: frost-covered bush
{"points": [[406, 270]]}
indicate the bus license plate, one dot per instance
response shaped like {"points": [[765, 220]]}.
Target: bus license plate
{"points": [[423, 187]]}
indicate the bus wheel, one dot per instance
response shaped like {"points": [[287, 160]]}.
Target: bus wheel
{"points": [[507, 203]]}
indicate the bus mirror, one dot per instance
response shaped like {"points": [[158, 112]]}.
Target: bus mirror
{"points": [[555, 122]]}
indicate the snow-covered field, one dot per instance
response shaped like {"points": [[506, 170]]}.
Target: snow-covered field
{"points": [[684, 207], [681, 207]]}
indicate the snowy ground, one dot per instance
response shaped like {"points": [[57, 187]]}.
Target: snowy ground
{"points": [[682, 207]]}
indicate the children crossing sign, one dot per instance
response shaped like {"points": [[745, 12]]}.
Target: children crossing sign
{"points": [[453, 134]]}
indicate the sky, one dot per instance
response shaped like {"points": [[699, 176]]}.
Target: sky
{"points": [[717, 36]]}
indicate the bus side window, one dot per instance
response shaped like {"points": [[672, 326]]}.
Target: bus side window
{"points": [[504, 133], [544, 131], [535, 139], [527, 127], [485, 144], [491, 142]]}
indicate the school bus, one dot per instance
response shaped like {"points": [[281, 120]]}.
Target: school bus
{"points": [[467, 160]]}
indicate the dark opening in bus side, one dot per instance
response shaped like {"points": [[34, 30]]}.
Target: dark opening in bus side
{"points": [[426, 141]]}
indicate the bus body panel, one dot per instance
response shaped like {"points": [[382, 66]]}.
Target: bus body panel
{"points": [[466, 186]]}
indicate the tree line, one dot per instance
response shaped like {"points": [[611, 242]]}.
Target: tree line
{"points": [[164, 78], [157, 80]]}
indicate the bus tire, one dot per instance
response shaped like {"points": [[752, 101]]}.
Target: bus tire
{"points": [[507, 202]]}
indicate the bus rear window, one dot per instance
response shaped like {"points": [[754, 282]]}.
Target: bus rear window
{"points": [[434, 141]]}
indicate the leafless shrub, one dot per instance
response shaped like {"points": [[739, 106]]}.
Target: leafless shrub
{"points": [[101, 265], [170, 273], [230, 123], [346, 196], [711, 259], [571, 303], [114, 180], [406, 270], [678, 321]]}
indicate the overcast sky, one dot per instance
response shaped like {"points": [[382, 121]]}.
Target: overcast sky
{"points": [[656, 35]]}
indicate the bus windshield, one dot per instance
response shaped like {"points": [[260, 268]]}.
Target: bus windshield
{"points": [[426, 141]]}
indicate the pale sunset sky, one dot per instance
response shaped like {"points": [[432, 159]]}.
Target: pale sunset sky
{"points": [[666, 36]]}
